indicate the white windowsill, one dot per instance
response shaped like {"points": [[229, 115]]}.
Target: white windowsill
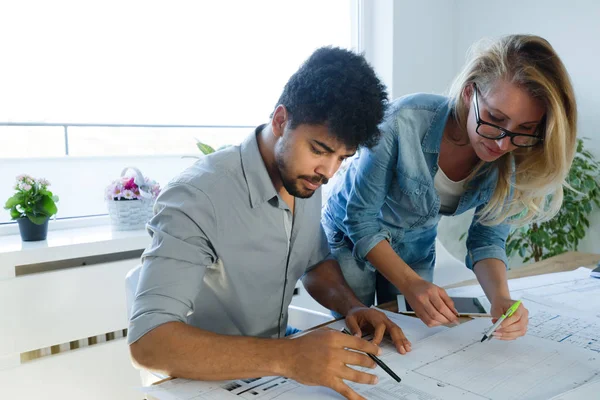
{"points": [[66, 244]]}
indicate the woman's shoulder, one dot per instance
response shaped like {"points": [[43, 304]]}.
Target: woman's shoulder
{"points": [[419, 101], [415, 113]]}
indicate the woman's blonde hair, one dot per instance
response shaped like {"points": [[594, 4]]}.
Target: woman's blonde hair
{"points": [[534, 175]]}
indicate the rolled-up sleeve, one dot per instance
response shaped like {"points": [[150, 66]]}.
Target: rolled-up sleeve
{"points": [[486, 242], [369, 188], [184, 231]]}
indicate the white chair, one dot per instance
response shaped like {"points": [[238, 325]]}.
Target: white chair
{"points": [[448, 269]]}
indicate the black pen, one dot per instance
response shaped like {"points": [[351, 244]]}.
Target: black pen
{"points": [[378, 361]]}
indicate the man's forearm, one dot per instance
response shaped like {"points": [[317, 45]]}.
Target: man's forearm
{"points": [[491, 274], [183, 351], [326, 284]]}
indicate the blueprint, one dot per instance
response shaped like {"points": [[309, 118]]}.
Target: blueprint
{"points": [[575, 289], [451, 364]]}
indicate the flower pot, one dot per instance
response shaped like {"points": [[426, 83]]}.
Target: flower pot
{"points": [[31, 232]]}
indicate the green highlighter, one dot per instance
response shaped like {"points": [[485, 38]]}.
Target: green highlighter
{"points": [[508, 313]]}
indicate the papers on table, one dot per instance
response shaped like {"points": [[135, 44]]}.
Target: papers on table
{"points": [[414, 329], [559, 358], [573, 289]]}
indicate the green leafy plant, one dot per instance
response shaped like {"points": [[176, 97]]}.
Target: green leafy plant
{"points": [[563, 232], [32, 200], [206, 149]]}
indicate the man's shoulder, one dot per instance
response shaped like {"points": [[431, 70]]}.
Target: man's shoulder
{"points": [[213, 174]]}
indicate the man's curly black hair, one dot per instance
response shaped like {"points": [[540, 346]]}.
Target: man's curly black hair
{"points": [[339, 89]]}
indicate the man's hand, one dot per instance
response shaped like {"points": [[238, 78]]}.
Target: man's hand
{"points": [[431, 303], [322, 358], [375, 321], [512, 327]]}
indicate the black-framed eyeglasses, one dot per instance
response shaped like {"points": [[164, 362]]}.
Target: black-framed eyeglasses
{"points": [[495, 132]]}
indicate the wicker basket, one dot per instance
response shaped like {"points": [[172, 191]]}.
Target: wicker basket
{"points": [[126, 215]]}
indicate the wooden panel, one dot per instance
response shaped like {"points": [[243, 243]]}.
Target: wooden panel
{"points": [[50, 308]]}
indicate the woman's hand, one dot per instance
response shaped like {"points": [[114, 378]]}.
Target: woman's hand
{"points": [[431, 303], [512, 327]]}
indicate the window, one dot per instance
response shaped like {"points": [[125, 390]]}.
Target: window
{"points": [[87, 89]]}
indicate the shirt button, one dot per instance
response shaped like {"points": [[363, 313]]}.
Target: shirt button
{"points": [[417, 191]]}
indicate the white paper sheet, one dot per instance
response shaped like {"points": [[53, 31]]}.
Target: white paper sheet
{"points": [[451, 364], [414, 329], [528, 368], [419, 388], [575, 289], [588, 391], [562, 324]]}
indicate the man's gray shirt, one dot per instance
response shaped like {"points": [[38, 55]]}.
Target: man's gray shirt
{"points": [[219, 256]]}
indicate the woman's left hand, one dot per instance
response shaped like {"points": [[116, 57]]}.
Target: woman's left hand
{"points": [[512, 327]]}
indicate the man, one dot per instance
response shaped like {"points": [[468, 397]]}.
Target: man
{"points": [[232, 235]]}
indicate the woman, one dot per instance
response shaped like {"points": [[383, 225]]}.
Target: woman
{"points": [[502, 143]]}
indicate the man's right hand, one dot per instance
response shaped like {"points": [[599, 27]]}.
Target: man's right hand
{"points": [[431, 303], [321, 358]]}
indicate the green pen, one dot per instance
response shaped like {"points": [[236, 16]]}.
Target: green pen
{"points": [[508, 313]]}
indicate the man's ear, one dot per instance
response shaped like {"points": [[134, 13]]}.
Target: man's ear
{"points": [[279, 120]]}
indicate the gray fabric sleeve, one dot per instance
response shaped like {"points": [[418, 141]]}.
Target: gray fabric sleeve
{"points": [[184, 231]]}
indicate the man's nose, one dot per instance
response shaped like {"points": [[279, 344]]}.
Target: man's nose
{"points": [[329, 168]]}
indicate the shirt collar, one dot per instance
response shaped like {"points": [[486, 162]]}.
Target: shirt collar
{"points": [[433, 137], [259, 182]]}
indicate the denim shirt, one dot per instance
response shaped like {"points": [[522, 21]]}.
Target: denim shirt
{"points": [[388, 191]]}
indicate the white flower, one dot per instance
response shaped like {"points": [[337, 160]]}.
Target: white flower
{"points": [[128, 194], [116, 192]]}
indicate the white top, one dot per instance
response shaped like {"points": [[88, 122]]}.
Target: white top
{"points": [[449, 191]]}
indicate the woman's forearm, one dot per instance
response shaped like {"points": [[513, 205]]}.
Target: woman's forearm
{"points": [[491, 274], [391, 266]]}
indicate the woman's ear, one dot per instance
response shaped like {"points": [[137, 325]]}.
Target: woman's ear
{"points": [[467, 93]]}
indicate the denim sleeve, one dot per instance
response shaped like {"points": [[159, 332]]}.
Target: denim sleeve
{"points": [[368, 189], [182, 231], [486, 242]]}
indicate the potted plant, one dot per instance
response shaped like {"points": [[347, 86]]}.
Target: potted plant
{"points": [[562, 233], [32, 206]]}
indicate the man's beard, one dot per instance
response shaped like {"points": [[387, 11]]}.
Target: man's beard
{"points": [[293, 185]]}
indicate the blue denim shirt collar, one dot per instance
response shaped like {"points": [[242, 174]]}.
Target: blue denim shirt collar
{"points": [[433, 136]]}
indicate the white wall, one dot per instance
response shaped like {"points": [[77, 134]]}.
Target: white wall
{"points": [[377, 33], [410, 44], [431, 38], [88, 175], [423, 46]]}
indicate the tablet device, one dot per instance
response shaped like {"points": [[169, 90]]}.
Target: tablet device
{"points": [[466, 306]]}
